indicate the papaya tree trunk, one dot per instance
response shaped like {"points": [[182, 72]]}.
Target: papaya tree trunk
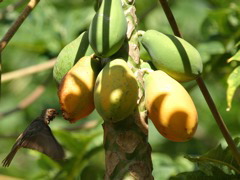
{"points": [[127, 151]]}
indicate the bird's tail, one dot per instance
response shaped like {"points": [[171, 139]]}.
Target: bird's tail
{"points": [[6, 162]]}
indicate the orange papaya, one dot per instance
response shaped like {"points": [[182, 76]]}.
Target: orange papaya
{"points": [[76, 89], [170, 107]]}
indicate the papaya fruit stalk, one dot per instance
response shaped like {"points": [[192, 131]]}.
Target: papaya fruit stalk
{"points": [[222, 126], [127, 151]]}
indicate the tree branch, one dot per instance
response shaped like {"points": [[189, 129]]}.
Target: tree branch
{"points": [[36, 93], [219, 119], [11, 8], [205, 91], [13, 29], [170, 17], [28, 70]]}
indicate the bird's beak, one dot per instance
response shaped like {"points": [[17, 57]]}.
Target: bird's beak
{"points": [[56, 113]]}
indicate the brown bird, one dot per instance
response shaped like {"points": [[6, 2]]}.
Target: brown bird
{"points": [[38, 136]]}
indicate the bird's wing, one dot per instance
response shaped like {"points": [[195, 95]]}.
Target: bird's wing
{"points": [[43, 141]]}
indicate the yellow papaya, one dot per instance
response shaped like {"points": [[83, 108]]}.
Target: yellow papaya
{"points": [[70, 54], [76, 89], [170, 107], [108, 28], [173, 55], [116, 91]]}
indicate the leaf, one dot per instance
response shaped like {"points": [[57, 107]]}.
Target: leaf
{"points": [[233, 83], [223, 21], [83, 145], [199, 175], [236, 57], [164, 166], [209, 48], [217, 157]]}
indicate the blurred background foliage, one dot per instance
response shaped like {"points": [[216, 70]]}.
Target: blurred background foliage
{"points": [[212, 26]]}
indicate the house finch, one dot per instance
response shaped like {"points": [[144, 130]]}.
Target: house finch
{"points": [[38, 136]]}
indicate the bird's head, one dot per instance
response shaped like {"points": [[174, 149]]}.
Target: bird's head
{"points": [[49, 115]]}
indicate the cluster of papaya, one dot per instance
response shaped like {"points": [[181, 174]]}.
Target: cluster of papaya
{"points": [[169, 105], [86, 83], [83, 84]]}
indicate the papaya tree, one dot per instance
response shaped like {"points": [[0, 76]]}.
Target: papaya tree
{"points": [[127, 91], [130, 79]]}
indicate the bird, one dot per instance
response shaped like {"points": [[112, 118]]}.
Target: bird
{"points": [[38, 136]]}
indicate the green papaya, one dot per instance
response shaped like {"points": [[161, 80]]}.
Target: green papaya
{"points": [[144, 55], [173, 55], [115, 91], [70, 54], [147, 65], [108, 28]]}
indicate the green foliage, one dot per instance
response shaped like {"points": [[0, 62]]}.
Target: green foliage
{"points": [[215, 164], [219, 157], [236, 57], [233, 83], [199, 175], [166, 166], [212, 26]]}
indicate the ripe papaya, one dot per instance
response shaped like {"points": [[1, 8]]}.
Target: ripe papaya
{"points": [[76, 89], [71, 53], [116, 91], [173, 55], [170, 107], [108, 28]]}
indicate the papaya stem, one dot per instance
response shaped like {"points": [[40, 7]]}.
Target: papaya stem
{"points": [[140, 33], [145, 71], [222, 126], [170, 17], [218, 119]]}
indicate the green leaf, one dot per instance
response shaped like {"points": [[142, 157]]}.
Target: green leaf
{"points": [[199, 175], [207, 49], [236, 57], [233, 83], [164, 166], [218, 157], [83, 145]]}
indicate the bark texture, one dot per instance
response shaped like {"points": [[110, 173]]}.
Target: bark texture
{"points": [[127, 151]]}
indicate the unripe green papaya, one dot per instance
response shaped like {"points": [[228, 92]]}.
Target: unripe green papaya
{"points": [[144, 55], [108, 28], [70, 54], [173, 55], [116, 91], [147, 65]]}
